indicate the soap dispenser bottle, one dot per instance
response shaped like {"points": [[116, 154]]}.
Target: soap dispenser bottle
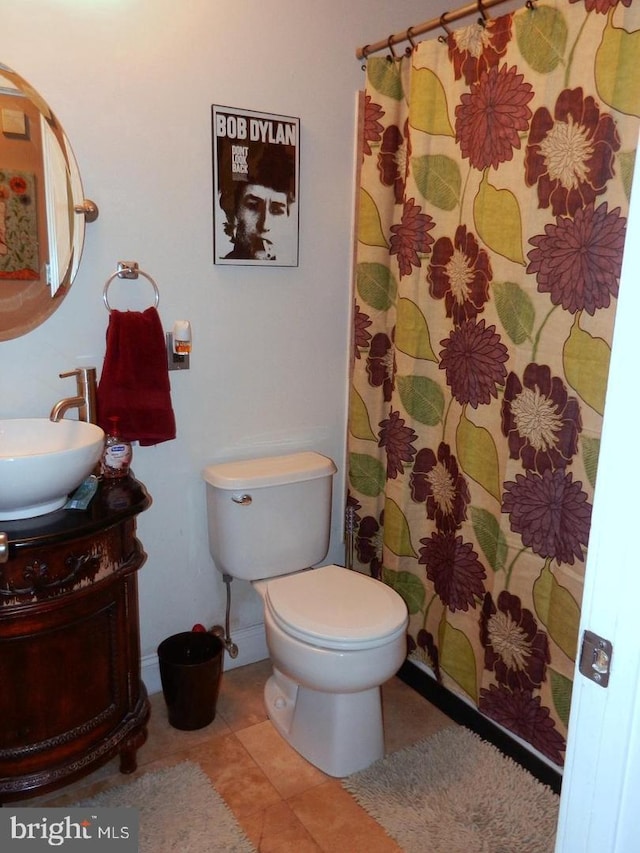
{"points": [[116, 457]]}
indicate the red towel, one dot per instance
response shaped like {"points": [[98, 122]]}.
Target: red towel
{"points": [[134, 384]]}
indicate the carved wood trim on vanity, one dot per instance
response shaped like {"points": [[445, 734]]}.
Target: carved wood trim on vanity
{"points": [[72, 696], [45, 574]]}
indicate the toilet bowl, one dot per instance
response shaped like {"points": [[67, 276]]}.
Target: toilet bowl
{"points": [[334, 629], [329, 662], [334, 635]]}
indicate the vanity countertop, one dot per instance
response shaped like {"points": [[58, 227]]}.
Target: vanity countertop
{"points": [[114, 501]]}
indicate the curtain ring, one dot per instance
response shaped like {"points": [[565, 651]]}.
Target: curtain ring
{"points": [[409, 50], [390, 46], [443, 39], [482, 20], [531, 6]]}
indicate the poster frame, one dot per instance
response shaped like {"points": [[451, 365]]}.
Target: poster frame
{"points": [[260, 150]]}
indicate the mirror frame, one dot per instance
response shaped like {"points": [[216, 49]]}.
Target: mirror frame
{"points": [[26, 304]]}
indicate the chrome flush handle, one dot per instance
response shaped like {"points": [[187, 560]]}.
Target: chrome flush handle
{"points": [[4, 548], [243, 500]]}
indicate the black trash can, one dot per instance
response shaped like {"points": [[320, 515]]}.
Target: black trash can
{"points": [[190, 672]]}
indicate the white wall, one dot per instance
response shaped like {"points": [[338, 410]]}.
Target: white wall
{"points": [[132, 82]]}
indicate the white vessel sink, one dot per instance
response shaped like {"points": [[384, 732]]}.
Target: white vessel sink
{"points": [[41, 462]]}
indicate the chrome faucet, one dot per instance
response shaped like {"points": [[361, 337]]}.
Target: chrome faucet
{"points": [[85, 399]]}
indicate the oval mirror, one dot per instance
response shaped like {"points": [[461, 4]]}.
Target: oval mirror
{"points": [[42, 209]]}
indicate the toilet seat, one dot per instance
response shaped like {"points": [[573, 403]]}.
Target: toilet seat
{"points": [[336, 608]]}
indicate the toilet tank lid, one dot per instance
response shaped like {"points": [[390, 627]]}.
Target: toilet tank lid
{"points": [[269, 471]]}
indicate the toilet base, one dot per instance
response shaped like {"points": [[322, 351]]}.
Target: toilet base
{"points": [[340, 733]]}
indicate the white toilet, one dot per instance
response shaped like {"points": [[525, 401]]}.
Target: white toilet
{"points": [[334, 635]]}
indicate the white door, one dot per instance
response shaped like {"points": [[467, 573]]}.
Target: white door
{"points": [[600, 802]]}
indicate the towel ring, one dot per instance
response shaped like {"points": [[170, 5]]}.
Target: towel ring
{"points": [[129, 269]]}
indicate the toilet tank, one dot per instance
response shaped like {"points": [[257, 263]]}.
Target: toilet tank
{"points": [[269, 516]]}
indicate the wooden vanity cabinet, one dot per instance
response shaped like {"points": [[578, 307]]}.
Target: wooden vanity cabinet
{"points": [[71, 696]]}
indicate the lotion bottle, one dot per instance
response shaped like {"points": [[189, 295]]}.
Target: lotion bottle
{"points": [[116, 457]]}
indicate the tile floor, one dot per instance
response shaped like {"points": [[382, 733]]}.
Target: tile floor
{"points": [[281, 801]]}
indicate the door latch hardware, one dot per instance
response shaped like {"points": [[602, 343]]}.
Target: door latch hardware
{"points": [[595, 658]]}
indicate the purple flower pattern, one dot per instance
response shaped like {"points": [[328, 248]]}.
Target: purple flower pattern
{"points": [[541, 421], [550, 512]]}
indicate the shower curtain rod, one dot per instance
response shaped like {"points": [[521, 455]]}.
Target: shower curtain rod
{"points": [[433, 24]]}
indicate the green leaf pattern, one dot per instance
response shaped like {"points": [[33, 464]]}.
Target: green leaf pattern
{"points": [[438, 180], [490, 537], [497, 218], [515, 309]]}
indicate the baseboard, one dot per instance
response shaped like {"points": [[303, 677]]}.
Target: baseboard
{"points": [[466, 715], [252, 647]]}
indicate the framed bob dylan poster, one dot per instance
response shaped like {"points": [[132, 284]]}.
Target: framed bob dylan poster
{"points": [[256, 170]]}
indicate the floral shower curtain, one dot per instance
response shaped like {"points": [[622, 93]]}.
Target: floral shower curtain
{"points": [[495, 183]]}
